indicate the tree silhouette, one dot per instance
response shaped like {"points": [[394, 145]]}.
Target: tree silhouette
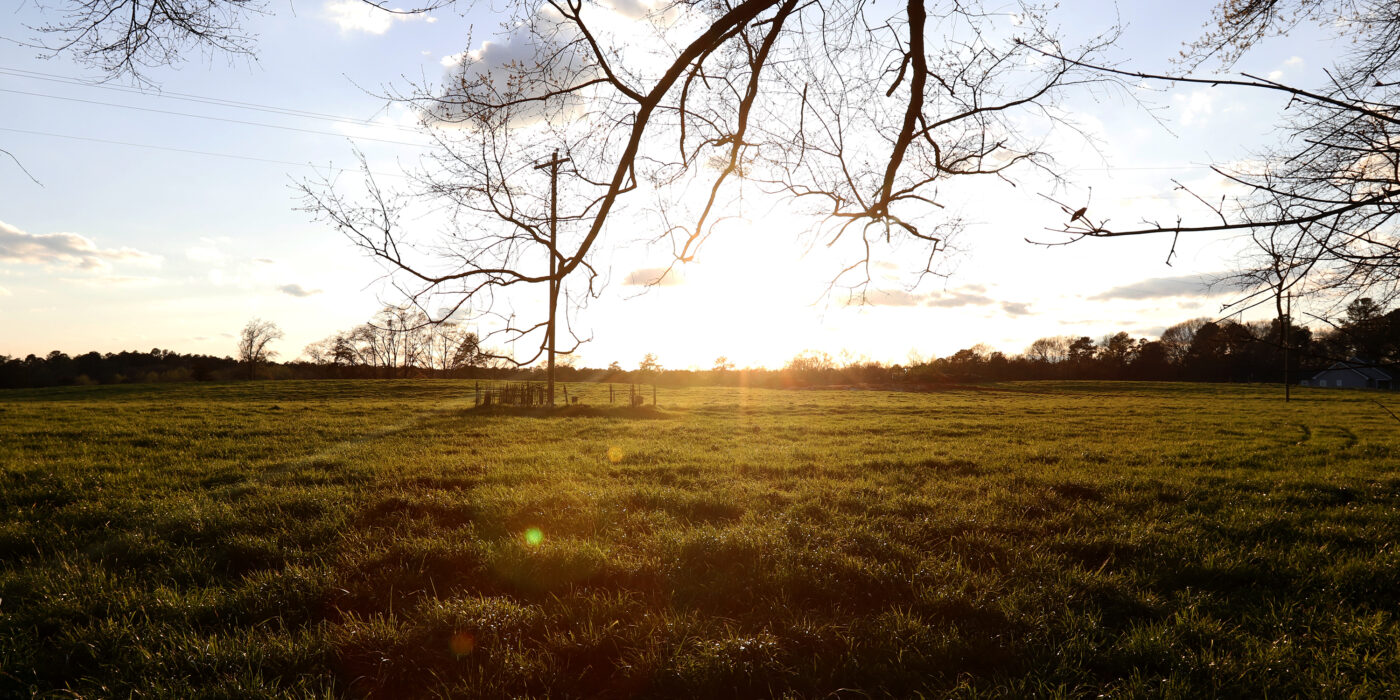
{"points": [[124, 38], [850, 114], [253, 344], [1323, 206]]}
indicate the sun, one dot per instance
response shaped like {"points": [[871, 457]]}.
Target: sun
{"points": [[757, 293], [756, 283]]}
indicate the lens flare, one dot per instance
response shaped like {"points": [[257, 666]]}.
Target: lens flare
{"points": [[614, 454], [534, 537], [461, 643]]}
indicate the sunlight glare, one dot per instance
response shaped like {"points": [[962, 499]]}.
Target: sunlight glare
{"points": [[462, 643]]}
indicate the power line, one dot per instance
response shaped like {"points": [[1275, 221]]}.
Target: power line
{"points": [[185, 150], [287, 111], [1149, 167], [212, 118], [186, 97]]}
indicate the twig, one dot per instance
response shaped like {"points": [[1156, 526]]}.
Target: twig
{"points": [[21, 167]]}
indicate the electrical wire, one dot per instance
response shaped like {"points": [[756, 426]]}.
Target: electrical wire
{"points": [[66, 80], [189, 151], [212, 118], [201, 99]]}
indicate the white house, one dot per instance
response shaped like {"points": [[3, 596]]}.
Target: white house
{"points": [[1352, 374]]}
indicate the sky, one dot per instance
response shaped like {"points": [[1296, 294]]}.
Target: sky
{"points": [[166, 215]]}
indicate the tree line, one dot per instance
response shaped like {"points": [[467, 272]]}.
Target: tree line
{"points": [[399, 343]]}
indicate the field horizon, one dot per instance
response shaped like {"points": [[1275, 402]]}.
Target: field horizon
{"points": [[383, 538]]}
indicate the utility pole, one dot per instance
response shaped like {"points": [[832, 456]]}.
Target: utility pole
{"points": [[553, 165], [1287, 321]]}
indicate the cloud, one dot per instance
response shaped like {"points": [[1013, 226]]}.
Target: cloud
{"points": [[62, 250], [297, 290], [631, 9], [1196, 107], [496, 71], [1100, 322], [1294, 62], [207, 252], [1016, 308], [5, 292], [511, 63], [890, 297], [496, 66], [652, 277], [107, 281], [265, 261], [959, 299], [947, 300], [358, 16], [1163, 287]]}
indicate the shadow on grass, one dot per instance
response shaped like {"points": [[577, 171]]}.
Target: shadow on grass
{"points": [[575, 411]]}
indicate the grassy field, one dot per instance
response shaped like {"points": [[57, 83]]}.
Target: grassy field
{"points": [[382, 539]]}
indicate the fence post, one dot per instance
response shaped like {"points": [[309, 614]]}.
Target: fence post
{"points": [[610, 393], [476, 397]]}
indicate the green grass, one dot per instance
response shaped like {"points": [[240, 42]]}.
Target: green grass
{"points": [[311, 539]]}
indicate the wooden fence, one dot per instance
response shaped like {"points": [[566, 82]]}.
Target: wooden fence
{"points": [[531, 394]]}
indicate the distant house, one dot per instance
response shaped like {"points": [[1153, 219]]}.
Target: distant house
{"points": [[1352, 374]]}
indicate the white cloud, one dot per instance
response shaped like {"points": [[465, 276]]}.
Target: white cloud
{"points": [[953, 300], [1162, 287], [1292, 63], [62, 250], [358, 16], [208, 251], [493, 69], [1196, 107], [297, 290], [631, 9], [887, 297], [109, 281], [5, 292]]}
